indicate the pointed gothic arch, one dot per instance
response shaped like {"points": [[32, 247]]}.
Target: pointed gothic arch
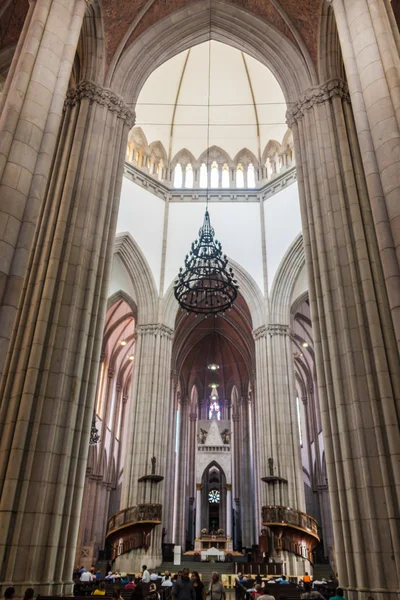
{"points": [[141, 277]]}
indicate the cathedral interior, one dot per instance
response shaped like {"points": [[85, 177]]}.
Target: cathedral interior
{"points": [[200, 290]]}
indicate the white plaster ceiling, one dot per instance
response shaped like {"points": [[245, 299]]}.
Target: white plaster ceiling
{"points": [[243, 104]]}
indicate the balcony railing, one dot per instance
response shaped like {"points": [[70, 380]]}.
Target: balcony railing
{"points": [[140, 514], [283, 515]]}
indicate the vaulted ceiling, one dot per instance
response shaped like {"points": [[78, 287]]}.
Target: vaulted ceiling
{"points": [[212, 95], [226, 340]]}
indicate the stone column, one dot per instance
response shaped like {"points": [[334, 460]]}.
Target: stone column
{"points": [[29, 127], [276, 419], [229, 510], [149, 423], [198, 510], [47, 394], [354, 340], [370, 45]]}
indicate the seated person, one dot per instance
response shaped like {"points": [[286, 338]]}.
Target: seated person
{"points": [[167, 581], [284, 581], [257, 592], [339, 595], [86, 576], [101, 590], [130, 585]]}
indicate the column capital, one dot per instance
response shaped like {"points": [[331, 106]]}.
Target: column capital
{"points": [[103, 96], [317, 95], [193, 417], [228, 487], [155, 329], [198, 487]]}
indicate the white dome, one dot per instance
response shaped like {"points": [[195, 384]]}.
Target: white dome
{"points": [[247, 106]]}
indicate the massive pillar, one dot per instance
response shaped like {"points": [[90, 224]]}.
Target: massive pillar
{"points": [[354, 339], [278, 447], [229, 510], [370, 45], [150, 424], [47, 393], [198, 510], [31, 114]]}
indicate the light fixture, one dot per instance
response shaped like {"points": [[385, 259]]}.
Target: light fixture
{"points": [[214, 397], [123, 342], [131, 356], [213, 385], [305, 345], [207, 284], [213, 367]]}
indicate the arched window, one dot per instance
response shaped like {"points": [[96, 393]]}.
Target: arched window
{"points": [[189, 176], [214, 411], [203, 176], [214, 180], [239, 176], [251, 176], [225, 176], [178, 176]]}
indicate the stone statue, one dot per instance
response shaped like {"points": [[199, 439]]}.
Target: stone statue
{"points": [[202, 435], [226, 436], [271, 466], [153, 465]]}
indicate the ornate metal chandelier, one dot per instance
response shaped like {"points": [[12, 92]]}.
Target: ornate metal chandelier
{"points": [[207, 285]]}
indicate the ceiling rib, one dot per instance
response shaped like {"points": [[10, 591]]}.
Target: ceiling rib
{"points": [[178, 91], [254, 106]]}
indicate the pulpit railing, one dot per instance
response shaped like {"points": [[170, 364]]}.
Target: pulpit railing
{"points": [[283, 515], [141, 513]]}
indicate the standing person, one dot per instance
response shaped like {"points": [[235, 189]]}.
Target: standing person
{"points": [[339, 595], [307, 582], [216, 591], [183, 588], [145, 574], [198, 586]]}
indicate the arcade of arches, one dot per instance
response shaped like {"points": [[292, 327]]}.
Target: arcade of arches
{"points": [[272, 429]]}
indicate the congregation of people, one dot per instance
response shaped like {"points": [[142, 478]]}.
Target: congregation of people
{"points": [[189, 586], [309, 588]]}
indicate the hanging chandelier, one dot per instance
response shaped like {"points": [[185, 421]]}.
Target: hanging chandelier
{"points": [[207, 285]]}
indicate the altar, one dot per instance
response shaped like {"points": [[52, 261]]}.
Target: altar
{"points": [[210, 542], [213, 555]]}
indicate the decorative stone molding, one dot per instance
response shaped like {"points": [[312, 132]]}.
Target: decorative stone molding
{"points": [[271, 330], [156, 329], [194, 195], [278, 329], [317, 95], [260, 332], [103, 97]]}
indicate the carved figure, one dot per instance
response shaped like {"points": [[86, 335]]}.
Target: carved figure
{"points": [[271, 466], [202, 435], [153, 465], [226, 436]]}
